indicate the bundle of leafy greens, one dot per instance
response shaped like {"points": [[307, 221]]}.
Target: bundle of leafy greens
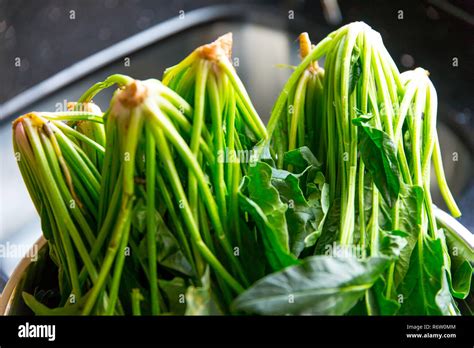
{"points": [[178, 200], [374, 131], [227, 121], [166, 189]]}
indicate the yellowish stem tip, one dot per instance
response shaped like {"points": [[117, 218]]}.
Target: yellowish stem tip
{"points": [[305, 49], [36, 120]]}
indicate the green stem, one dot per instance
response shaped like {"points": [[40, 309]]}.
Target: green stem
{"points": [[79, 136], [118, 79], [374, 226], [186, 210], [118, 269], [72, 116], [136, 299], [442, 183], [251, 116], [151, 228], [198, 122], [176, 69], [298, 110], [361, 203], [216, 114]]}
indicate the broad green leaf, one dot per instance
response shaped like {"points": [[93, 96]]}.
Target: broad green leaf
{"points": [[410, 209], [360, 308], [262, 192], [461, 275], [276, 254], [268, 211], [320, 285], [392, 243], [380, 158], [303, 216], [425, 289], [457, 247]]}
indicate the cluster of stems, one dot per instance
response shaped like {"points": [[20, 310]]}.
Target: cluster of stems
{"points": [[181, 147], [360, 78], [225, 119], [303, 112], [59, 156], [146, 127]]}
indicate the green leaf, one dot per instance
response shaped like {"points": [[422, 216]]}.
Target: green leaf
{"points": [[251, 254], [380, 304], [410, 210], [169, 253], [300, 159], [262, 192], [330, 229], [359, 309], [268, 211], [312, 238], [303, 216], [139, 216], [392, 243], [321, 285], [380, 158], [461, 275], [425, 288], [462, 258]]}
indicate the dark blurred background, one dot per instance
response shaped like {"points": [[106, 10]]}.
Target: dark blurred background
{"points": [[43, 35], [48, 36]]}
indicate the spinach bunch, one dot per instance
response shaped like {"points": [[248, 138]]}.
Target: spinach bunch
{"points": [[375, 137], [164, 234]]}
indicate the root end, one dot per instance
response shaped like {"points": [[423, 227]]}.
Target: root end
{"points": [[133, 94], [219, 49]]}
